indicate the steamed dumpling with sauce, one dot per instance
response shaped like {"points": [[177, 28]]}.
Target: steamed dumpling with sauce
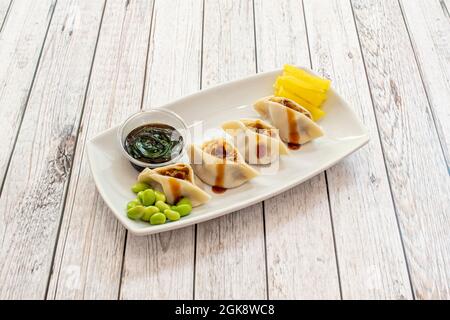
{"points": [[256, 139], [219, 164], [294, 122], [176, 181]]}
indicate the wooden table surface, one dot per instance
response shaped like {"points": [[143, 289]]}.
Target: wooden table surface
{"points": [[375, 226]]}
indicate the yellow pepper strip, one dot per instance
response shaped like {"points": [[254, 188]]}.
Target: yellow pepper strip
{"points": [[282, 92], [301, 89], [316, 113], [302, 82], [322, 83]]}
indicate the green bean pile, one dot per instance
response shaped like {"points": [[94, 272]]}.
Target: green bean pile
{"points": [[150, 206]]}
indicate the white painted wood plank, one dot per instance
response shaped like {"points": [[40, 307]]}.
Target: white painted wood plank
{"points": [[4, 6], [31, 201], [416, 166], [445, 5], [230, 258], [89, 255], [368, 245], [429, 27], [21, 41], [300, 251], [161, 266]]}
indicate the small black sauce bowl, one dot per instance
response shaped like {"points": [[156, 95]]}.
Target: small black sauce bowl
{"points": [[141, 118]]}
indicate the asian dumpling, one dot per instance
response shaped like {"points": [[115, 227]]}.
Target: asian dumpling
{"points": [[294, 122], [176, 181], [257, 140], [219, 164]]}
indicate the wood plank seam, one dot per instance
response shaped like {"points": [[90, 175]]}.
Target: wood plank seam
{"points": [[330, 210], [371, 262], [444, 9], [80, 145], [74, 152], [70, 216], [265, 249], [266, 263], [123, 44], [154, 256], [200, 82], [195, 240], [6, 15], [62, 73], [281, 38], [427, 94], [254, 35], [2, 183], [141, 107], [83, 144], [325, 173], [229, 26], [384, 157]]}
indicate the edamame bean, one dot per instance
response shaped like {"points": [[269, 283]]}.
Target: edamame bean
{"points": [[160, 196], [148, 212], [162, 205], [136, 212], [184, 200], [172, 215], [147, 197], [158, 218], [182, 209], [133, 203], [139, 186]]}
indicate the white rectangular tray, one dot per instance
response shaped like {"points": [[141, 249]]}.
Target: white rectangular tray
{"points": [[114, 175]]}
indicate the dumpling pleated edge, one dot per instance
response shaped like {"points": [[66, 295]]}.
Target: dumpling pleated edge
{"points": [[196, 195], [235, 173], [276, 113]]}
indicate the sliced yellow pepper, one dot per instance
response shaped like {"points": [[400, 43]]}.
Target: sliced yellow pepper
{"points": [[321, 83], [316, 113], [301, 89]]}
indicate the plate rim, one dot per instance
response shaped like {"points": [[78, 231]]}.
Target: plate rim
{"points": [[360, 141]]}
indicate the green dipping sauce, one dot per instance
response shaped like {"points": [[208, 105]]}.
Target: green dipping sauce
{"points": [[154, 143]]}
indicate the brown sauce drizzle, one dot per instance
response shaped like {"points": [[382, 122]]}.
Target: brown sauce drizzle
{"points": [[219, 150], [260, 148], [175, 187], [218, 190], [258, 125], [220, 167], [260, 128], [294, 136], [294, 146]]}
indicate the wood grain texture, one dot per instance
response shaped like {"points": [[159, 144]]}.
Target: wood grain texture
{"points": [[89, 256], [161, 266], [33, 194], [368, 244], [429, 28], [4, 7], [300, 252], [54, 74], [21, 41], [414, 159], [230, 258]]}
